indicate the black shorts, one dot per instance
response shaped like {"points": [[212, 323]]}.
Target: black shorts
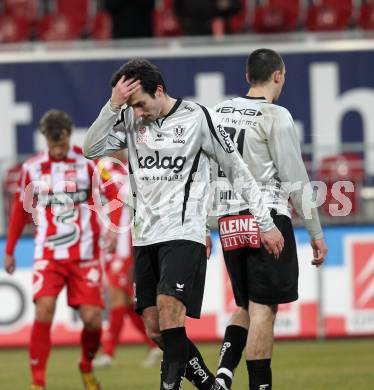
{"points": [[175, 268], [258, 277]]}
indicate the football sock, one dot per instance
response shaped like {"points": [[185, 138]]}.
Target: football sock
{"points": [[196, 370], [259, 372], [90, 342], [231, 352], [40, 346], [111, 336], [173, 365]]}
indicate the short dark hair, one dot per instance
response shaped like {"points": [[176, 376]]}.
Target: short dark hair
{"points": [[55, 125], [261, 64], [141, 69]]}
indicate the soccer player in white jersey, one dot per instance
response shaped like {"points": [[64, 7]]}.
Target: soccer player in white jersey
{"points": [[170, 142], [56, 186], [265, 136]]}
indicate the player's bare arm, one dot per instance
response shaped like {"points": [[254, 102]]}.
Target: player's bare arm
{"points": [[123, 90]]}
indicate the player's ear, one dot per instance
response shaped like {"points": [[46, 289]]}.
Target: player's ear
{"points": [[159, 90], [247, 77], [277, 76]]}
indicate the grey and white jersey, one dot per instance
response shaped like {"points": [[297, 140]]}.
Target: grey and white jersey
{"points": [[169, 165], [266, 137]]}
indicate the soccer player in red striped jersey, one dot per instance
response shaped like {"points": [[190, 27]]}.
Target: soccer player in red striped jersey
{"points": [[59, 188]]}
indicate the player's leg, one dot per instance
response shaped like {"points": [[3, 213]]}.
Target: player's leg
{"points": [[91, 316], [260, 345], [235, 337], [154, 352], [118, 308], [171, 318], [270, 282], [48, 280], [40, 340], [232, 347], [84, 292]]}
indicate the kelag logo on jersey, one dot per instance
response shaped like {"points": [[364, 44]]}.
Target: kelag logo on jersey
{"points": [[178, 135], [363, 275], [166, 162]]}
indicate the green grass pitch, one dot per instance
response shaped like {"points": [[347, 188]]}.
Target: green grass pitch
{"points": [[297, 365]]}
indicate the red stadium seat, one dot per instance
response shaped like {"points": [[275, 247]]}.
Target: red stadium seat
{"points": [[344, 167], [366, 17], [329, 15], [238, 22], [77, 10], [276, 16], [101, 26], [22, 9], [165, 22], [13, 30], [58, 27]]}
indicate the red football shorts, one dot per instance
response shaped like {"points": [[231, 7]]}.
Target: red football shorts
{"points": [[119, 273], [83, 279]]}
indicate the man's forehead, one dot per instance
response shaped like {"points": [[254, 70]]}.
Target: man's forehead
{"points": [[137, 97]]}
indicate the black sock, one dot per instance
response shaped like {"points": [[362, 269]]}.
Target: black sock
{"points": [[173, 365], [259, 372], [196, 371], [231, 352]]}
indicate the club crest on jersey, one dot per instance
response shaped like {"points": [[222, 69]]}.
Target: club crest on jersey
{"points": [[142, 136], [178, 135]]}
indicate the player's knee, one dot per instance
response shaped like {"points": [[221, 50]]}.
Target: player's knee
{"points": [[170, 311], [92, 318], [44, 311]]}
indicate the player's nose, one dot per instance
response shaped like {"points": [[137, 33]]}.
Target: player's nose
{"points": [[138, 112]]}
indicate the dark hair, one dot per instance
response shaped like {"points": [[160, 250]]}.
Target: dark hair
{"points": [[261, 64], [55, 125], [143, 70]]}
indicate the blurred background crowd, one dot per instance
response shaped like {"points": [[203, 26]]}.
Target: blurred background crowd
{"points": [[63, 20]]}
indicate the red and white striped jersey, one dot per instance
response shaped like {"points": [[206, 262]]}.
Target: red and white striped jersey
{"points": [[118, 171], [61, 196]]}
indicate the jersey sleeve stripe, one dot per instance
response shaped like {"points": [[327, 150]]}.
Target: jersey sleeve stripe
{"points": [[211, 126], [187, 189]]}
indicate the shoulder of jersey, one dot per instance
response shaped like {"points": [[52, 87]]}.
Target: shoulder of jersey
{"points": [[275, 109], [35, 158], [224, 103], [189, 105]]}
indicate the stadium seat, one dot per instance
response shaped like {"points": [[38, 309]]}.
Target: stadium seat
{"points": [[344, 167], [276, 16], [58, 27], [101, 26], [366, 16], [329, 15], [78, 10], [238, 22], [13, 30], [165, 22], [21, 9]]}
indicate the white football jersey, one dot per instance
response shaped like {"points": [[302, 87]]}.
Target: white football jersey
{"points": [[170, 169], [266, 138]]}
